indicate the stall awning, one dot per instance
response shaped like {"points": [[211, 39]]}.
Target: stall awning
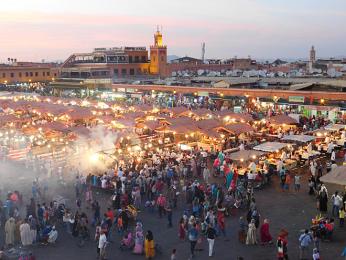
{"points": [[299, 138], [245, 155], [282, 119], [270, 146], [336, 176], [335, 127], [237, 128]]}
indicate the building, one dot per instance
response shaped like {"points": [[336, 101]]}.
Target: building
{"points": [[117, 62], [26, 72], [103, 66]]}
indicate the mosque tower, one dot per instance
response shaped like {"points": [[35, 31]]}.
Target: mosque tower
{"points": [[158, 55]]}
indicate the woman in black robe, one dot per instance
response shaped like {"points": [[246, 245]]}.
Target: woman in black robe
{"points": [[323, 200]]}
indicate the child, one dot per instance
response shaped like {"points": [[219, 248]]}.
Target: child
{"points": [[173, 255], [120, 225], [315, 254]]}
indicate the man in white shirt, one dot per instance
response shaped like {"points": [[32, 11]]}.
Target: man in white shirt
{"points": [[102, 245], [337, 202]]}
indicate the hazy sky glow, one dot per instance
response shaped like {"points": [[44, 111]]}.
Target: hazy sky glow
{"points": [[53, 29]]}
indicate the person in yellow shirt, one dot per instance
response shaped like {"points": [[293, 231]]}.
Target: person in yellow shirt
{"points": [[342, 216], [149, 245]]}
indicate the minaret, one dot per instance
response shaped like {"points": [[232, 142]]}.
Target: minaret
{"points": [[312, 59], [158, 55], [312, 55]]}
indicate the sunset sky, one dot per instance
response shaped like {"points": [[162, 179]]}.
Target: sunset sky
{"points": [[53, 29]]}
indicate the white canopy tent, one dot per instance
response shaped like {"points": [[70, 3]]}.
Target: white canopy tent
{"points": [[336, 176], [245, 155], [335, 127], [270, 146], [299, 138]]}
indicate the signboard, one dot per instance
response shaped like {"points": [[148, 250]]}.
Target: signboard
{"points": [[296, 99], [203, 94], [98, 81]]}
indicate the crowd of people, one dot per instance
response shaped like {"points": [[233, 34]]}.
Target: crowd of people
{"points": [[205, 185]]}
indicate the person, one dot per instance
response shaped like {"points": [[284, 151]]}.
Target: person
{"points": [[161, 202], [149, 245], [206, 174], [102, 244], [297, 183], [337, 201], [341, 216], [304, 242], [169, 212], [242, 230], [251, 238], [52, 235], [173, 255], [139, 240], [264, 232], [287, 181], [10, 226], [211, 234], [25, 234], [193, 237], [323, 200], [182, 229], [315, 254], [281, 245]]}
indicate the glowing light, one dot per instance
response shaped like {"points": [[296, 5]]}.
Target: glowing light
{"points": [[94, 157]]}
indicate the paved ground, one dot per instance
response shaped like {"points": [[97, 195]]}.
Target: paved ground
{"points": [[290, 210]]}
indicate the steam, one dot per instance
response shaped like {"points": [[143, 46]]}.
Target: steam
{"points": [[94, 152]]}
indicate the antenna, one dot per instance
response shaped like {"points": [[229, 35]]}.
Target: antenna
{"points": [[203, 51]]}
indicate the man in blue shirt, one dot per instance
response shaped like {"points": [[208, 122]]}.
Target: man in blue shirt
{"points": [[304, 242]]}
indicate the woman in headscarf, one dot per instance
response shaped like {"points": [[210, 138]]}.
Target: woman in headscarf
{"points": [[25, 233], [265, 234], [139, 240], [149, 245], [251, 238], [10, 226]]}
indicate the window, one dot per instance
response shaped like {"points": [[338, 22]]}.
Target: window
{"points": [[123, 71], [162, 58], [130, 59], [136, 59], [54, 74], [20, 74], [132, 71], [44, 74], [4, 75], [139, 71], [48, 73], [144, 59], [31, 74], [12, 75], [26, 74], [154, 58], [36, 74], [116, 72]]}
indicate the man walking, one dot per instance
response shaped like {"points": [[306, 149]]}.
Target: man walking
{"points": [[193, 237], [211, 233], [337, 201], [304, 242], [102, 245]]}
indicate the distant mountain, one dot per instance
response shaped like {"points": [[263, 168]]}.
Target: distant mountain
{"points": [[172, 57]]}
